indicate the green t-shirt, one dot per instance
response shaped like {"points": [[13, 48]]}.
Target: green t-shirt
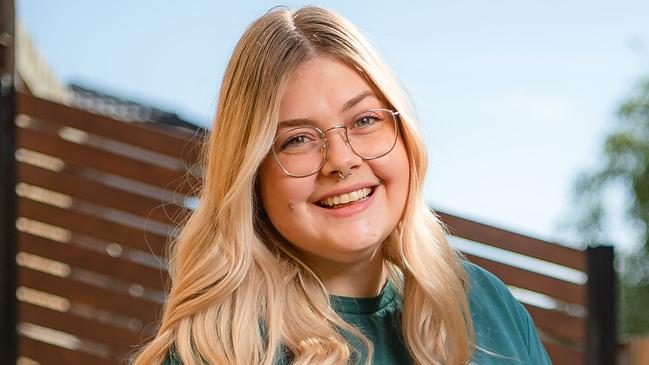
{"points": [[504, 331]]}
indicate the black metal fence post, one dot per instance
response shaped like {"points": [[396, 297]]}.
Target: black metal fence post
{"points": [[601, 341], [8, 267]]}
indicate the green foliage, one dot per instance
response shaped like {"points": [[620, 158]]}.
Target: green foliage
{"points": [[625, 163], [634, 295]]}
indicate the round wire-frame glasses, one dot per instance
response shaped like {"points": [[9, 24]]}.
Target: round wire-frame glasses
{"points": [[302, 151]]}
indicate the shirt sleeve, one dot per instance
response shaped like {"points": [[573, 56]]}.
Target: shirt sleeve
{"points": [[535, 348], [501, 322]]}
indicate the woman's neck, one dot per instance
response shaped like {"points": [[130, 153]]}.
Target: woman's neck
{"points": [[363, 279]]}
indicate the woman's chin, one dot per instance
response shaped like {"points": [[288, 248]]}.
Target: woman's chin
{"points": [[350, 252]]}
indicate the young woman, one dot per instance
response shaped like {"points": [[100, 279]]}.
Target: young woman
{"points": [[312, 243]]}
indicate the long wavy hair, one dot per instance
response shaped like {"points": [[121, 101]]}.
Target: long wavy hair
{"points": [[234, 277]]}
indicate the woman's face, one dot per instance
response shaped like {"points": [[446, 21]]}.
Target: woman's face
{"points": [[325, 92]]}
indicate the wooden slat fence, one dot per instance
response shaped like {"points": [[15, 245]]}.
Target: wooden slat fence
{"points": [[97, 202], [562, 320]]}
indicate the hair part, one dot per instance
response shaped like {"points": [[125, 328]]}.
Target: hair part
{"points": [[232, 272]]}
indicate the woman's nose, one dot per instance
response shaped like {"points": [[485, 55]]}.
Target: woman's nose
{"points": [[340, 155]]}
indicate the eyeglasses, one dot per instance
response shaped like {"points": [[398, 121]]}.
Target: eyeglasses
{"points": [[302, 151]]}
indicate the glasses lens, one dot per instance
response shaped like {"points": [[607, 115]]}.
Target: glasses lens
{"points": [[372, 134], [300, 151]]}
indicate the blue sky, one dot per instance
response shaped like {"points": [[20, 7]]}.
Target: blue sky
{"points": [[514, 97]]}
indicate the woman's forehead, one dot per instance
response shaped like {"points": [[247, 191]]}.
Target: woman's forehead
{"points": [[324, 86]]}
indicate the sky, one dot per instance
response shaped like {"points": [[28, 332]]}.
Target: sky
{"points": [[514, 98]]}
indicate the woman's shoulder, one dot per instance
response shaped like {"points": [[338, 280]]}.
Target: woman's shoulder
{"points": [[484, 279], [487, 291], [490, 299], [502, 325]]}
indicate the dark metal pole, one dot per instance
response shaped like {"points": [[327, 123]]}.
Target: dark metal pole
{"points": [[8, 267], [601, 341]]}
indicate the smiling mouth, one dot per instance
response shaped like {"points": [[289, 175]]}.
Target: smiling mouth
{"points": [[342, 200]]}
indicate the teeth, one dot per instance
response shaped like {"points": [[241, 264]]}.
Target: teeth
{"points": [[346, 198]]}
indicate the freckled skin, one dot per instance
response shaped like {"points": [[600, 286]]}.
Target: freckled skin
{"points": [[317, 91]]}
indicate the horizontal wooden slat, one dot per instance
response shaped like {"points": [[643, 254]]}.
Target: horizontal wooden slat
{"points": [[91, 157], [561, 354], [569, 292], [95, 192], [558, 323], [179, 145], [118, 339], [48, 354], [89, 294], [514, 242], [75, 256], [92, 226]]}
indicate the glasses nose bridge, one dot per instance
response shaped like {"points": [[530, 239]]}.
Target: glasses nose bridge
{"points": [[344, 135]]}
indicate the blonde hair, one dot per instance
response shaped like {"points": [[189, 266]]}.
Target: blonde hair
{"points": [[233, 276]]}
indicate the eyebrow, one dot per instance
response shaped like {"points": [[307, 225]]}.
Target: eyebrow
{"points": [[346, 107], [357, 99]]}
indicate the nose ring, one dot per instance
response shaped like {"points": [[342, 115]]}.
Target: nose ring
{"points": [[342, 177]]}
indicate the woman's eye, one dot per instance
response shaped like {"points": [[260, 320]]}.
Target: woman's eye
{"points": [[295, 141], [365, 121]]}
